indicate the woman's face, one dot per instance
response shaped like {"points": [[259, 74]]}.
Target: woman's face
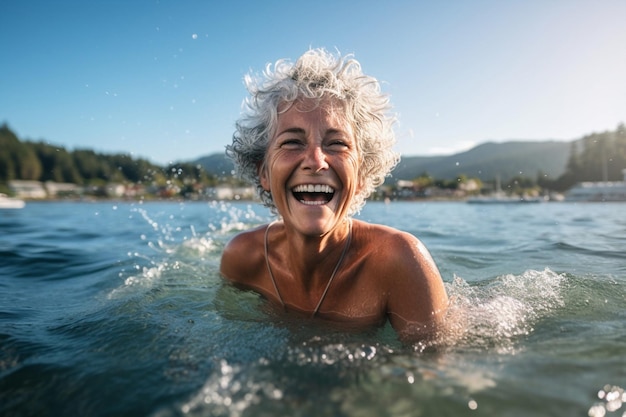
{"points": [[311, 166]]}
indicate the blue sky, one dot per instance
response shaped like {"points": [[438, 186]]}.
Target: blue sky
{"points": [[162, 80]]}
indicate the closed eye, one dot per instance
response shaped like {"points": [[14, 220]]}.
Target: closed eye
{"points": [[338, 145], [291, 144]]}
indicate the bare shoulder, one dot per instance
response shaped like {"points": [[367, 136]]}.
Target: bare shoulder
{"points": [[416, 296], [243, 256], [391, 243], [397, 256]]}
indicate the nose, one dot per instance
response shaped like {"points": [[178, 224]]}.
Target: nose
{"points": [[315, 159]]}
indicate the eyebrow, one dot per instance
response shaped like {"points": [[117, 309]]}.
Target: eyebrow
{"points": [[299, 130]]}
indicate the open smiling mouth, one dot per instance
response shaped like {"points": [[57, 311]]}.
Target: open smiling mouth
{"points": [[313, 194]]}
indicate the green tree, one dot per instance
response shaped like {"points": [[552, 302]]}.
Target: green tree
{"points": [[17, 160], [617, 153], [57, 164], [595, 157], [91, 166], [29, 167], [8, 144], [424, 181]]}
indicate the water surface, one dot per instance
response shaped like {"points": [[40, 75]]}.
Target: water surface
{"points": [[117, 309]]}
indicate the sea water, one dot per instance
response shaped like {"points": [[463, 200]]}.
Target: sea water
{"points": [[118, 309]]}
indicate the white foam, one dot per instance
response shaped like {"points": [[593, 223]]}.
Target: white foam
{"points": [[230, 391], [506, 308]]}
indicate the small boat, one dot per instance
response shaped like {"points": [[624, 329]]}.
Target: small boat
{"points": [[7, 202]]}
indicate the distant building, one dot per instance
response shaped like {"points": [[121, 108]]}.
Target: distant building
{"points": [[598, 191], [408, 190], [28, 189], [135, 190], [62, 189], [469, 186], [115, 190], [225, 192]]}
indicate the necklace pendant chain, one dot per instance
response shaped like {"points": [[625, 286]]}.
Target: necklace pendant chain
{"points": [[330, 280]]}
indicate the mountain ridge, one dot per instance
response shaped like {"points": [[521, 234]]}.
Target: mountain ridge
{"points": [[516, 158]]}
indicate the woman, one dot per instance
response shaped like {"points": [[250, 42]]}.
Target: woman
{"points": [[316, 140]]}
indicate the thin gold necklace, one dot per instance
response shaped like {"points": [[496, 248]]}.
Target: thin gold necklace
{"points": [[319, 303]]}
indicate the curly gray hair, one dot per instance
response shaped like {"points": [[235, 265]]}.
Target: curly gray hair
{"points": [[316, 75]]}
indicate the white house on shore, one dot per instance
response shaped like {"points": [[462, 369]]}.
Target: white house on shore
{"points": [[226, 192], [28, 189], [35, 190], [62, 189], [598, 191]]}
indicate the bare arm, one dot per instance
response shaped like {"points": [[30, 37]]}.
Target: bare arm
{"points": [[417, 300], [230, 265], [243, 262], [241, 257]]}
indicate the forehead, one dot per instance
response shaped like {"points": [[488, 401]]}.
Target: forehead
{"points": [[325, 112]]}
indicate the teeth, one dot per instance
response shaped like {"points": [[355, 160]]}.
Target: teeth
{"points": [[311, 188]]}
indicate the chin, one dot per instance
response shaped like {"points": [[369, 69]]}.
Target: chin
{"points": [[316, 220]]}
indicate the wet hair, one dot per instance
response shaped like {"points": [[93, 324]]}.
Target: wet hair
{"points": [[317, 75]]}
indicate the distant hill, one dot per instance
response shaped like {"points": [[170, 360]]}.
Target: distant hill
{"points": [[216, 164], [488, 160], [485, 161]]}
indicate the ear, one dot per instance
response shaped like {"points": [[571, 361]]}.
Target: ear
{"points": [[263, 176], [359, 185]]}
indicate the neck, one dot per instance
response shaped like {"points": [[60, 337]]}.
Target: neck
{"points": [[312, 259], [314, 250], [312, 272]]}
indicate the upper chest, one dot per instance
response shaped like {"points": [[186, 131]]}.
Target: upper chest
{"points": [[357, 292]]}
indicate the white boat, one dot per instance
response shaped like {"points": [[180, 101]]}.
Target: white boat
{"points": [[7, 202]]}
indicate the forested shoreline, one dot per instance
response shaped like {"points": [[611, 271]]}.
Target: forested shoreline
{"points": [[41, 161], [594, 157]]}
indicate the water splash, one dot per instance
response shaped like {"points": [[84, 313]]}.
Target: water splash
{"points": [[498, 312], [278, 375], [176, 245], [229, 392], [235, 218]]}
